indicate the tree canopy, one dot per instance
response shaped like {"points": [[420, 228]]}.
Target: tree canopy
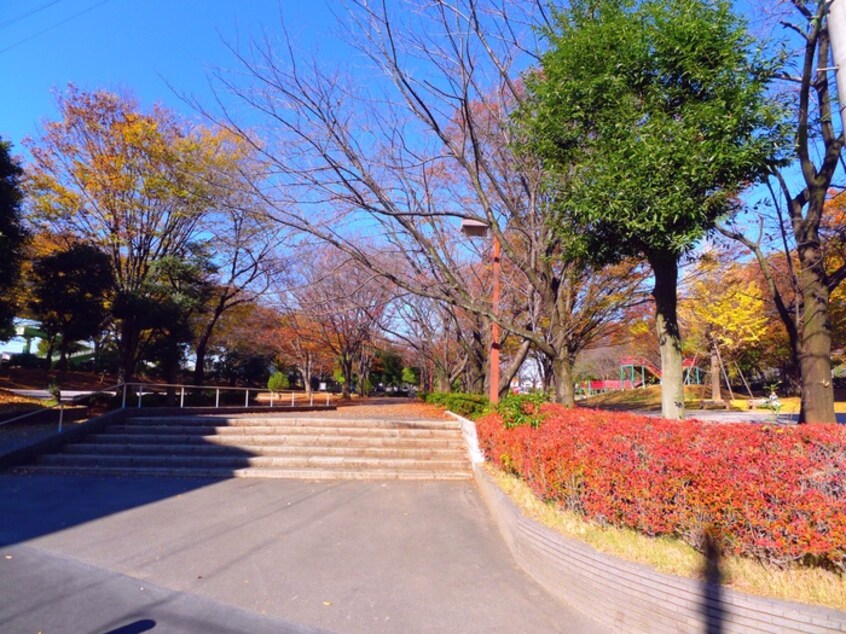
{"points": [[12, 235], [651, 117]]}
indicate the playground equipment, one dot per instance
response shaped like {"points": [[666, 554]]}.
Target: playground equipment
{"points": [[635, 372], [629, 369]]}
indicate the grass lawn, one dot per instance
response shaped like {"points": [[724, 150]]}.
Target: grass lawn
{"points": [[665, 554]]}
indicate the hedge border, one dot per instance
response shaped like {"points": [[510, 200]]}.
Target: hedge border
{"points": [[631, 597]]}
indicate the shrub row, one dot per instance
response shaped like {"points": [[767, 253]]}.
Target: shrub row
{"points": [[774, 493], [463, 404]]}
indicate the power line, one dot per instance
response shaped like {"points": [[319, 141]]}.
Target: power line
{"points": [[57, 24], [20, 17]]}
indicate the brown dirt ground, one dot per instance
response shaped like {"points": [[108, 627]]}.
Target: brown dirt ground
{"points": [[37, 379], [388, 407]]}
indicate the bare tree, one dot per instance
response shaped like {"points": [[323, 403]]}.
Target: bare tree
{"points": [[801, 215], [246, 259], [424, 141], [347, 303]]}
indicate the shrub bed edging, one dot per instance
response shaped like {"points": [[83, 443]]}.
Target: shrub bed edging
{"points": [[634, 598], [631, 597]]}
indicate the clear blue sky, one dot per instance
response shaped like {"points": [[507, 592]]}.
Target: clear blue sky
{"points": [[135, 45]]}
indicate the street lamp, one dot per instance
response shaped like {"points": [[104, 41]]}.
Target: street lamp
{"points": [[479, 229]]}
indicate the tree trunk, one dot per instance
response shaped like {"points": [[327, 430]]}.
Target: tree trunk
{"points": [[346, 370], [128, 350], [665, 268], [716, 396], [815, 343], [200, 366], [442, 382], [50, 346], [63, 358], [475, 371], [562, 371], [513, 368]]}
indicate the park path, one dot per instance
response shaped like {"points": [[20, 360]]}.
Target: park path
{"points": [[338, 556]]}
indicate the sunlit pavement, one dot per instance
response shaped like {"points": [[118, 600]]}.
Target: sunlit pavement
{"points": [[339, 556], [745, 417]]}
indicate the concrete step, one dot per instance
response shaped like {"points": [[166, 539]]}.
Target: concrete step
{"points": [[268, 446], [420, 452], [295, 440], [284, 421], [247, 461], [302, 474], [285, 430]]}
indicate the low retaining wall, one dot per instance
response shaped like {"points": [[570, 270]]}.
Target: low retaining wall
{"points": [[633, 598], [71, 413], [28, 454]]}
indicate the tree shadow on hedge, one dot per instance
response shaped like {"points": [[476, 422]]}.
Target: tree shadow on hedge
{"points": [[712, 606]]}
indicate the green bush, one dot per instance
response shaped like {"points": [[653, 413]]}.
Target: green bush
{"points": [[277, 382], [470, 405], [521, 409]]}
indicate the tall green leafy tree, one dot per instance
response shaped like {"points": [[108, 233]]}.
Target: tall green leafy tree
{"points": [[70, 294], [652, 117], [12, 236]]}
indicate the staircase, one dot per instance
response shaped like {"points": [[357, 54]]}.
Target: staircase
{"points": [[267, 447]]}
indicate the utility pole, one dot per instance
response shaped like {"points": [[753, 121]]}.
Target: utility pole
{"points": [[837, 35]]}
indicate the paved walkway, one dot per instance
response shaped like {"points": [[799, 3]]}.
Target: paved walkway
{"points": [[260, 555]]}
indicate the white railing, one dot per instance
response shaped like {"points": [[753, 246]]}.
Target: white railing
{"points": [[279, 399], [60, 405]]}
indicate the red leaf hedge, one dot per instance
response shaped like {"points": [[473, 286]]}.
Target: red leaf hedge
{"points": [[771, 492]]}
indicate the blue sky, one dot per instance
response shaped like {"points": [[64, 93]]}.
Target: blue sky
{"points": [[139, 46]]}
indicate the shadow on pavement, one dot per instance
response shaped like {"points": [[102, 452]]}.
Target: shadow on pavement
{"points": [[143, 625], [38, 504]]}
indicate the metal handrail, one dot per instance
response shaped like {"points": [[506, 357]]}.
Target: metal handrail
{"points": [[124, 389], [217, 389], [60, 404]]}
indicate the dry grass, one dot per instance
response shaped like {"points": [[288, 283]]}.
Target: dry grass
{"points": [[649, 398], [668, 555], [11, 403], [643, 398]]}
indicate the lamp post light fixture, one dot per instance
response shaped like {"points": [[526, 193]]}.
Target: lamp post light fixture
{"points": [[479, 229]]}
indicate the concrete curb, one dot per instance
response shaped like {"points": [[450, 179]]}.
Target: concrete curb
{"points": [[468, 430], [634, 598]]}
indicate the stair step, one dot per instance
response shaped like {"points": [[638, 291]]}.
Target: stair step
{"points": [[235, 462], [375, 432], [307, 474], [267, 446], [275, 421], [296, 440], [197, 449]]}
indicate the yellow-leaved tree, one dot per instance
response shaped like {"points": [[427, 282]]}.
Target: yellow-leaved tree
{"points": [[724, 313]]}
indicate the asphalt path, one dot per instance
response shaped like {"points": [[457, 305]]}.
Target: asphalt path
{"points": [[256, 554], [48, 593]]}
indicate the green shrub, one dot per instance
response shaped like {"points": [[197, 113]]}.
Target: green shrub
{"points": [[521, 409], [470, 405], [277, 382]]}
